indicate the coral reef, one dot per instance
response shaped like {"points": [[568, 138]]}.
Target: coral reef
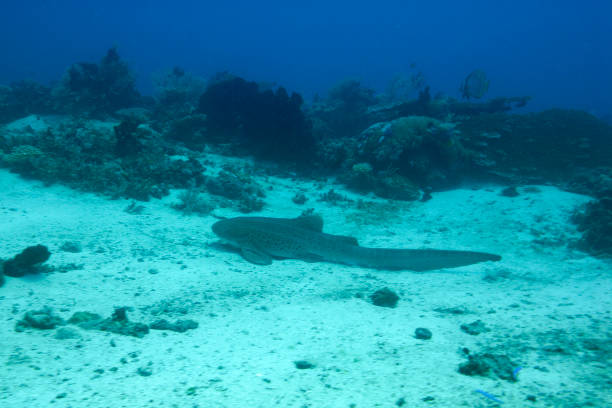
{"points": [[451, 141], [124, 159], [389, 145], [418, 147], [396, 159]]}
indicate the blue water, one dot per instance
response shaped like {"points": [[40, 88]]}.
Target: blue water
{"points": [[556, 51]]}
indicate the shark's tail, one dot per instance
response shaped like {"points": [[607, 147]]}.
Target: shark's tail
{"points": [[417, 259]]}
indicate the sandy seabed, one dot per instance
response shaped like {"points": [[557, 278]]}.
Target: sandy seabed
{"points": [[546, 305]]}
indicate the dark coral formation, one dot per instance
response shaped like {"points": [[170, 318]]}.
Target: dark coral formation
{"points": [[23, 98], [99, 89], [595, 181], [87, 89], [180, 326], [269, 123], [192, 202], [118, 323], [43, 319], [177, 93], [128, 138], [79, 318], [475, 328], [238, 187], [422, 333], [595, 223], [384, 298], [190, 130], [489, 365], [549, 146], [594, 220], [304, 364], [26, 261], [344, 112], [386, 183]]}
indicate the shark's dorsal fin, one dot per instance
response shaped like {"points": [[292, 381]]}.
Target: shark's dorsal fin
{"points": [[315, 223], [311, 222]]}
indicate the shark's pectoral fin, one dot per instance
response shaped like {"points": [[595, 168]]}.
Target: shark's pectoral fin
{"points": [[254, 256]]}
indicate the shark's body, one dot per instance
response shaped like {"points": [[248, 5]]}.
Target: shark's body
{"points": [[261, 239]]}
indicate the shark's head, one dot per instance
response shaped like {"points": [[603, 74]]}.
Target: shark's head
{"points": [[223, 228], [230, 230]]}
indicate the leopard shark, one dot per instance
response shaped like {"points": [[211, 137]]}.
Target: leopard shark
{"points": [[262, 239]]}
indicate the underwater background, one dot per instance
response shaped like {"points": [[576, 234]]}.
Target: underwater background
{"points": [[555, 51], [323, 204]]}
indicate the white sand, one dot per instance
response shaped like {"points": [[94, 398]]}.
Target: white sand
{"points": [[256, 321]]}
